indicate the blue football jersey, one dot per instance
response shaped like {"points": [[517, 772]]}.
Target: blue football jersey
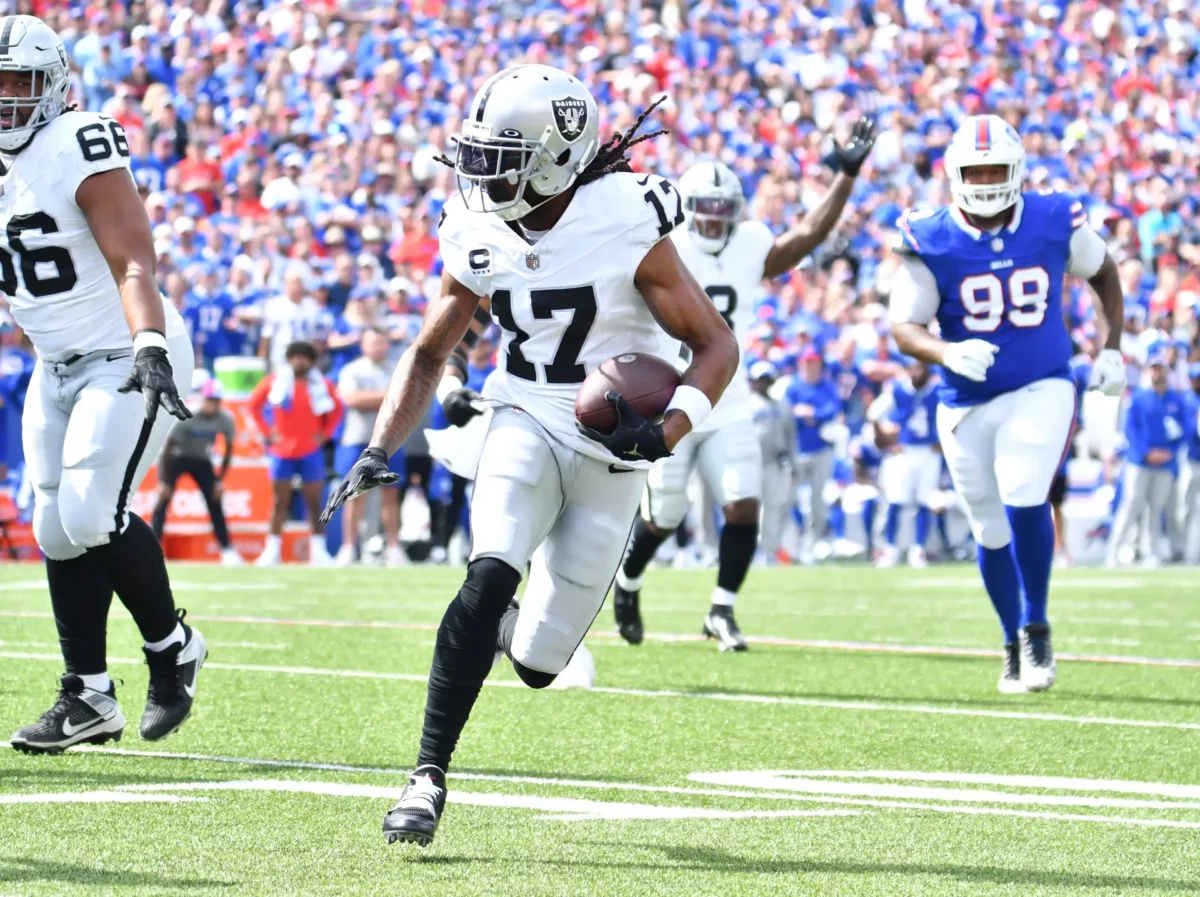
{"points": [[915, 411], [1005, 288]]}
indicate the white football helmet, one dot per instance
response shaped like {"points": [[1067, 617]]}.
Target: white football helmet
{"points": [[27, 44], [712, 203], [529, 125], [985, 140]]}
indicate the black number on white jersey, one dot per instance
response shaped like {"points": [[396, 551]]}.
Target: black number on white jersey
{"points": [[565, 368], [95, 143], [64, 277], [724, 296], [665, 224]]}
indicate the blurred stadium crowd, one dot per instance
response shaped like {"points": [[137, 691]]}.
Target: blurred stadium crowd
{"points": [[286, 149]]}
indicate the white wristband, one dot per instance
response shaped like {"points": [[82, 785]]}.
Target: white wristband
{"points": [[147, 339], [446, 386], [691, 402]]}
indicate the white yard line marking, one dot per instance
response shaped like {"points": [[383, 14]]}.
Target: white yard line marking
{"points": [[570, 809], [788, 701], [767, 793], [185, 585], [820, 644], [94, 797]]}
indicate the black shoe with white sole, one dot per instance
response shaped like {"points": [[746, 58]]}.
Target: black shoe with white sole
{"points": [[628, 614], [80, 716], [1010, 676], [173, 673], [415, 818], [1038, 667], [719, 624]]}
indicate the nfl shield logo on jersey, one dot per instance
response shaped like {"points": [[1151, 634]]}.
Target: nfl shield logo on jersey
{"points": [[570, 116], [532, 262]]}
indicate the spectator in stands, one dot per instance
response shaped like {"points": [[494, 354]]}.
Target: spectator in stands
{"points": [[294, 316], [188, 450], [362, 385], [297, 411]]}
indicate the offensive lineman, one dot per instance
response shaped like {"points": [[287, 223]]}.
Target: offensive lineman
{"points": [[730, 258], [990, 268], [565, 244], [77, 269]]}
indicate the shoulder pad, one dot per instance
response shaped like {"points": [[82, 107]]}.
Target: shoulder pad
{"points": [[87, 140], [1057, 206], [913, 228], [654, 206]]}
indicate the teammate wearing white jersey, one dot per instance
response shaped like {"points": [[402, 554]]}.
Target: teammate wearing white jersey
{"points": [[730, 258], [564, 243], [77, 271]]}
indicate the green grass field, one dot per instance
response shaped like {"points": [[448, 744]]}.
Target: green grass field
{"points": [[861, 749]]}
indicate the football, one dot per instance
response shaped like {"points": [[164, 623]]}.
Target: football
{"points": [[646, 382]]}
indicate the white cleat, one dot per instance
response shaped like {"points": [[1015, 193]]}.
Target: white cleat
{"points": [[1038, 667], [267, 559], [889, 556], [345, 556], [231, 558], [580, 671], [395, 557], [917, 559], [318, 556], [1010, 677]]}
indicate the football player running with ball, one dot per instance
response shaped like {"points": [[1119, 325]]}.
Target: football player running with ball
{"points": [[990, 269], [564, 243], [730, 258], [77, 269]]}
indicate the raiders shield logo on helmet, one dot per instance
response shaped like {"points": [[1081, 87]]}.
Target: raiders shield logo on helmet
{"points": [[570, 115]]}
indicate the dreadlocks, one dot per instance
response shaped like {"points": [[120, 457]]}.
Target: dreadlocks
{"points": [[611, 156]]}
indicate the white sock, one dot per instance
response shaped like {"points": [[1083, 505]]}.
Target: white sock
{"points": [[97, 681], [176, 637], [724, 597], [273, 544], [629, 585]]}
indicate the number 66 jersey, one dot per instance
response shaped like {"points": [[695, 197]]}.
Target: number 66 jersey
{"points": [[566, 302], [1004, 287], [52, 273]]}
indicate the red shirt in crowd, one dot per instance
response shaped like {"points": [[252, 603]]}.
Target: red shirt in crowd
{"points": [[294, 432]]}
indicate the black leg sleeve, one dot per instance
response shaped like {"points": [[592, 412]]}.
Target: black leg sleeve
{"points": [[134, 563], [81, 595]]}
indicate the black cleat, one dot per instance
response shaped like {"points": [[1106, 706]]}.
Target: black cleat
{"points": [[415, 818], [80, 716], [1038, 668], [719, 624], [172, 689], [628, 615], [1010, 677]]}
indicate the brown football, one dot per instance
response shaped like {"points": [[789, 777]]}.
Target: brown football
{"points": [[646, 382]]}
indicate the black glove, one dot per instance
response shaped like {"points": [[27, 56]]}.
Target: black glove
{"points": [[458, 408], [369, 471], [851, 156], [634, 439], [152, 377]]}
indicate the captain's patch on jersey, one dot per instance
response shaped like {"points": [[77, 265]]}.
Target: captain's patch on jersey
{"points": [[480, 261], [570, 116]]}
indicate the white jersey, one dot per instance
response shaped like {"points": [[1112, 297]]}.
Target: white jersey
{"points": [[56, 280], [733, 279], [566, 303]]}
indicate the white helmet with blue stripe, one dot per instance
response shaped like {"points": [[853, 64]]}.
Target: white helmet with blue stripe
{"points": [[985, 140]]}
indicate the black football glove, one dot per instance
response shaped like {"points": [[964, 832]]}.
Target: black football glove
{"points": [[153, 378], [458, 407], [851, 156], [634, 438], [369, 471]]}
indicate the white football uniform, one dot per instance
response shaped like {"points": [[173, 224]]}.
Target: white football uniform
{"points": [[87, 447], [565, 304], [724, 448]]}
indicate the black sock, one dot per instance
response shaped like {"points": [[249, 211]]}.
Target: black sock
{"points": [[738, 543], [463, 655], [134, 563], [641, 549], [81, 595]]}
